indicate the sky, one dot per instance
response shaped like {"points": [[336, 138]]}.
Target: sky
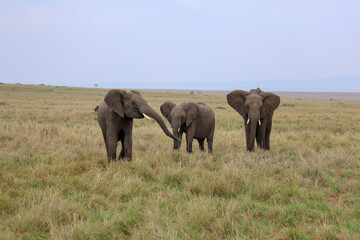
{"points": [[307, 45]]}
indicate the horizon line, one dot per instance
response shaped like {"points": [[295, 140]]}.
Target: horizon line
{"points": [[180, 89]]}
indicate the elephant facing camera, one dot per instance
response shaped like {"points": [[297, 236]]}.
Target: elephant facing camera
{"points": [[196, 120], [257, 109]]}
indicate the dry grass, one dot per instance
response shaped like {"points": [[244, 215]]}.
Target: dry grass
{"points": [[55, 182]]}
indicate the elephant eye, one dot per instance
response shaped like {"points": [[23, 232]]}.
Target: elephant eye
{"points": [[133, 103]]}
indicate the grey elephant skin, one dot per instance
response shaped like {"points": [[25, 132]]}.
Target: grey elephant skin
{"points": [[257, 109], [196, 120], [115, 117]]}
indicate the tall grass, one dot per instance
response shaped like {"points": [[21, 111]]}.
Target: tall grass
{"points": [[55, 182]]}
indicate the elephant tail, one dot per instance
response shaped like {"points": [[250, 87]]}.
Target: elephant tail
{"points": [[97, 107]]}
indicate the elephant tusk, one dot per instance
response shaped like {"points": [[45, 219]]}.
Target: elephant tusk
{"points": [[146, 116], [248, 121], [179, 130], [259, 122]]}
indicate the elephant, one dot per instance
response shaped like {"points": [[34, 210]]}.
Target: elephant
{"points": [[197, 120], [257, 108], [115, 117]]}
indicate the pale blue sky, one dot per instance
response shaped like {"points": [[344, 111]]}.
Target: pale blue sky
{"points": [[185, 44]]}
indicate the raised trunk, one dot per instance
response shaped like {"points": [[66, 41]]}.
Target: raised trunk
{"points": [[153, 114]]}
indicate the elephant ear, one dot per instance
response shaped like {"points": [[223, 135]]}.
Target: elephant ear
{"points": [[166, 109], [192, 111], [270, 103], [115, 100], [236, 99]]}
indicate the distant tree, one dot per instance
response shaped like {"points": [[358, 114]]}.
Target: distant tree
{"points": [[95, 85], [192, 92], [199, 92]]}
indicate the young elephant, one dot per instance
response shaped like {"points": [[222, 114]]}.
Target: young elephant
{"points": [[195, 119], [257, 108], [115, 116]]}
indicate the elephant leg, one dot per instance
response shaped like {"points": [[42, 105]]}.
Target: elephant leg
{"points": [[267, 136], [259, 137], [105, 141], [176, 146], [189, 140], [210, 144], [209, 140], [111, 148], [263, 140], [127, 146], [122, 153], [201, 144], [247, 132]]}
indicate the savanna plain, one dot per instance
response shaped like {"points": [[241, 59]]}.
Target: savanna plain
{"points": [[55, 182]]}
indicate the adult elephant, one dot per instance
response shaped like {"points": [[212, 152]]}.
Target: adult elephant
{"points": [[115, 117], [196, 120], [257, 108]]}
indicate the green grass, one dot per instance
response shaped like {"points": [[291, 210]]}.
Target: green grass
{"points": [[55, 182]]}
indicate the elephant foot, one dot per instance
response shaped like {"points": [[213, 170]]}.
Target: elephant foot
{"points": [[111, 160], [125, 159]]}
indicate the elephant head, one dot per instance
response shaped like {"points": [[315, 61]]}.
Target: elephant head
{"points": [[179, 115], [132, 105], [254, 106]]}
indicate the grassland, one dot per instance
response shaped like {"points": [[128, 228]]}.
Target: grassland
{"points": [[55, 182]]}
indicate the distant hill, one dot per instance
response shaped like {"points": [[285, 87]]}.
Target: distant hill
{"points": [[334, 84]]}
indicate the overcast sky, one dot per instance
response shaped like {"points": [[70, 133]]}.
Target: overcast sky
{"points": [[185, 44]]}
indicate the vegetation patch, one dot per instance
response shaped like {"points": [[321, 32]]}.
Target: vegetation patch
{"points": [[56, 183], [288, 105]]}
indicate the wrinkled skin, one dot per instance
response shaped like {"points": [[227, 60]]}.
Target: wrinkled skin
{"points": [[196, 120], [115, 117], [257, 109]]}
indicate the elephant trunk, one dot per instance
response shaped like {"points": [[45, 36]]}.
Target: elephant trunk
{"points": [[176, 132], [175, 125], [254, 119], [153, 114]]}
